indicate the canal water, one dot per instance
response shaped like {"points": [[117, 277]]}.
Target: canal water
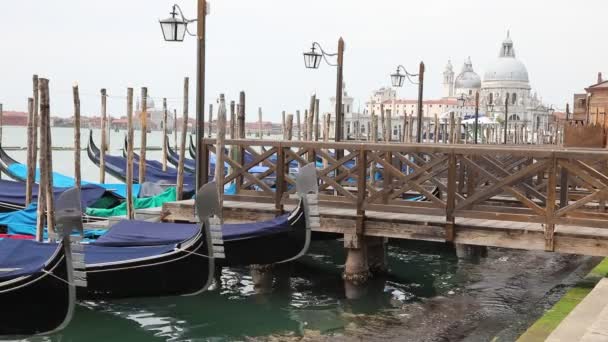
{"points": [[428, 294]]}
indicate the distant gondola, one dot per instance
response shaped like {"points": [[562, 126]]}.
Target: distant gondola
{"points": [[117, 167], [18, 171], [37, 282]]}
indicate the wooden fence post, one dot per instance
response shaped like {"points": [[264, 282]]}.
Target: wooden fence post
{"points": [[451, 198], [551, 189], [182, 143]]}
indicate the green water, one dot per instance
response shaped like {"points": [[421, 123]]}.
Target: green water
{"points": [[307, 296]]}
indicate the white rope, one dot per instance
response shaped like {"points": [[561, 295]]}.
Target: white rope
{"points": [[58, 277]]}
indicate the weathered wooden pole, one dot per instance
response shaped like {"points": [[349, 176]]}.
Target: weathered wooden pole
{"points": [[219, 149], [130, 140], [452, 128], [260, 123], [283, 124], [175, 128], [36, 97], [299, 125], [77, 177], [165, 134], [458, 136], [43, 182], [306, 128], [104, 133], [289, 126], [389, 126], [311, 117], [182, 143], [241, 135], [317, 120], [232, 131], [436, 129], [45, 111], [382, 122], [144, 135], [210, 120], [31, 165], [326, 123]]}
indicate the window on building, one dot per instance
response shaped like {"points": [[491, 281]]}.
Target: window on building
{"points": [[491, 98], [513, 98], [470, 92]]}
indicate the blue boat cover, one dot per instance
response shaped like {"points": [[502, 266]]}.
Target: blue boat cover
{"points": [[153, 174], [63, 181], [102, 254], [23, 222], [23, 257], [142, 233], [14, 193]]}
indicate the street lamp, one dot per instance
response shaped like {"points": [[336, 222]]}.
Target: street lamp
{"points": [[461, 101], [174, 29], [397, 80], [312, 60]]}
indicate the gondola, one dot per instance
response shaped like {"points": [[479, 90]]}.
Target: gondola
{"points": [[117, 167], [12, 194], [164, 262], [18, 171], [37, 280], [282, 239]]}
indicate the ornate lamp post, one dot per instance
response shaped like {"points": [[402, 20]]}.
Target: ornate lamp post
{"points": [[312, 60], [174, 29], [397, 79]]}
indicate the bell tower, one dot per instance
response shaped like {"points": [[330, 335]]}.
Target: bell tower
{"points": [[448, 80]]}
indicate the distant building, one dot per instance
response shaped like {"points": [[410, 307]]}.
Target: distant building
{"points": [[597, 95], [12, 118], [155, 116]]}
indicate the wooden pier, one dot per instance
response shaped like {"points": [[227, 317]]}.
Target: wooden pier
{"points": [[527, 197]]}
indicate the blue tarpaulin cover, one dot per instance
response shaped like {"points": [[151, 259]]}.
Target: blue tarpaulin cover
{"points": [[23, 222], [102, 254], [23, 257], [14, 193], [64, 181], [142, 233]]}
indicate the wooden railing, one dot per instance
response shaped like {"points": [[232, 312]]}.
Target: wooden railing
{"points": [[549, 186]]}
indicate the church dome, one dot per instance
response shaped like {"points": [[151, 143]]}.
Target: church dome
{"points": [[507, 67], [467, 79]]}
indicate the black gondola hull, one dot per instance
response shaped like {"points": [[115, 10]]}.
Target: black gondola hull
{"points": [[36, 304], [181, 273]]}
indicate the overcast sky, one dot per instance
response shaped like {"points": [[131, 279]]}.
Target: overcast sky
{"points": [[257, 46]]}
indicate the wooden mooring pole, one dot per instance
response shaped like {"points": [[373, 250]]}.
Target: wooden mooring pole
{"points": [[31, 165], [77, 176], [182, 144], [144, 135], [165, 134], [130, 209], [260, 123], [219, 149], [104, 133], [45, 112]]}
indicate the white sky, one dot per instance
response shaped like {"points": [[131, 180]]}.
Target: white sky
{"points": [[257, 46]]}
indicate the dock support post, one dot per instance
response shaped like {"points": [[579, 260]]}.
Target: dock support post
{"points": [[376, 254], [356, 269], [471, 253], [261, 275], [165, 134], [219, 150]]}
